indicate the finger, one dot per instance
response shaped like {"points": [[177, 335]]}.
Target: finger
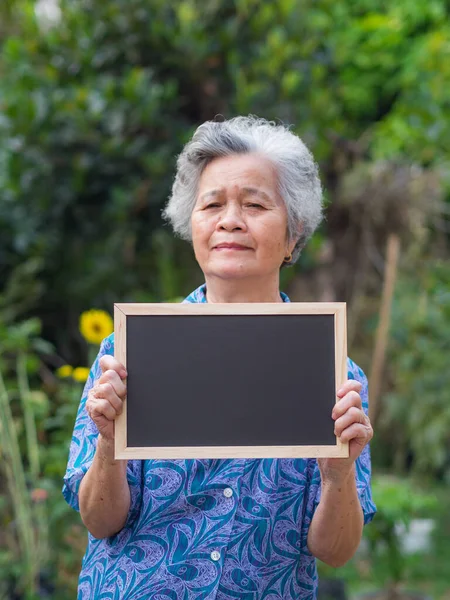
{"points": [[353, 415], [112, 377], [105, 391], [108, 362], [357, 431], [348, 386], [351, 399], [102, 408]]}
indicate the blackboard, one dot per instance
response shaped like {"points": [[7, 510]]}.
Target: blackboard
{"points": [[230, 380]]}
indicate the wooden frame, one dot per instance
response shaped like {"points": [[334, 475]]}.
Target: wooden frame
{"points": [[338, 309]]}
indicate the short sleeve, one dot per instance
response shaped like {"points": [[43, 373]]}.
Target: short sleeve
{"points": [[362, 464], [84, 443]]}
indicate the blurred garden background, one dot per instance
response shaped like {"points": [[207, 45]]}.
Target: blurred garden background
{"points": [[97, 98]]}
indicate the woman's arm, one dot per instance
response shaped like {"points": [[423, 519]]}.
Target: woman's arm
{"points": [[104, 494], [336, 528]]}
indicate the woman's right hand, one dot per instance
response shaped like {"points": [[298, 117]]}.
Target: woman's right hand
{"points": [[105, 399]]}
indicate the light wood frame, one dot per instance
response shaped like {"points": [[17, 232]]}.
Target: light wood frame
{"points": [[338, 309]]}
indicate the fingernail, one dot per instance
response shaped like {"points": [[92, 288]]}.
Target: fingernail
{"points": [[340, 391], [123, 374]]}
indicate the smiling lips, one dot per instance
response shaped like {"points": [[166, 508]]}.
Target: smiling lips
{"points": [[231, 247]]}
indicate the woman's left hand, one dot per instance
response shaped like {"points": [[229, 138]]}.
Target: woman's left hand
{"points": [[351, 425]]}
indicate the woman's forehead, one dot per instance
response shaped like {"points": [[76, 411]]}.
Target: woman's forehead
{"points": [[240, 162], [253, 174]]}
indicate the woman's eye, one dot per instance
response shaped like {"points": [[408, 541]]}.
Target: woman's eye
{"points": [[254, 205], [212, 205]]}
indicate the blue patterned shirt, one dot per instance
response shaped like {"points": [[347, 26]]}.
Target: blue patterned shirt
{"points": [[206, 529]]}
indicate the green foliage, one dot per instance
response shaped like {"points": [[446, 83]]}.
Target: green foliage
{"points": [[397, 501], [95, 108], [380, 568], [89, 134], [374, 73], [35, 428], [415, 422]]}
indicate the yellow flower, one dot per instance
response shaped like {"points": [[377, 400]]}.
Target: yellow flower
{"points": [[80, 374], [95, 325], [64, 371]]}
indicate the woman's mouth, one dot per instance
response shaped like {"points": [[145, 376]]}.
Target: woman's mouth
{"points": [[231, 247]]}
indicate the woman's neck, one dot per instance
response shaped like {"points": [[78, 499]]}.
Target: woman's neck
{"points": [[244, 290]]}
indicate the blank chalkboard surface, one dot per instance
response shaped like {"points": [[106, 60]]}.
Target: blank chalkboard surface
{"points": [[230, 380]]}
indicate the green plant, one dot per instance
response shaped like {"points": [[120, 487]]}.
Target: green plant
{"points": [[34, 435], [17, 342], [425, 572], [414, 423], [398, 501]]}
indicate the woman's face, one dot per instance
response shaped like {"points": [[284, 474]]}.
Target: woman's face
{"points": [[238, 205]]}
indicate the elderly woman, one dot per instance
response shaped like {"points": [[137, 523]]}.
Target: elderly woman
{"points": [[247, 196]]}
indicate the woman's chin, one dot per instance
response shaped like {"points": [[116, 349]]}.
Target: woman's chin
{"points": [[232, 269]]}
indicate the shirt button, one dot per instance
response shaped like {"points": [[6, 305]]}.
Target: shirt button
{"points": [[228, 492], [215, 555]]}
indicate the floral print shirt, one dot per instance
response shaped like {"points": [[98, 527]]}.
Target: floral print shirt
{"points": [[206, 529]]}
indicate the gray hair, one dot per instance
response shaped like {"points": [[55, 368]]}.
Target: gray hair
{"points": [[298, 179]]}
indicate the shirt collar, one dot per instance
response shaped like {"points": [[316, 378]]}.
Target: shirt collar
{"points": [[199, 296]]}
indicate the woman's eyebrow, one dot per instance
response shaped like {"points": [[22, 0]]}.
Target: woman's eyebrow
{"points": [[210, 194], [256, 192], [247, 191]]}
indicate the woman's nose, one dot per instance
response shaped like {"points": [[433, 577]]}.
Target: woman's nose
{"points": [[231, 218]]}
